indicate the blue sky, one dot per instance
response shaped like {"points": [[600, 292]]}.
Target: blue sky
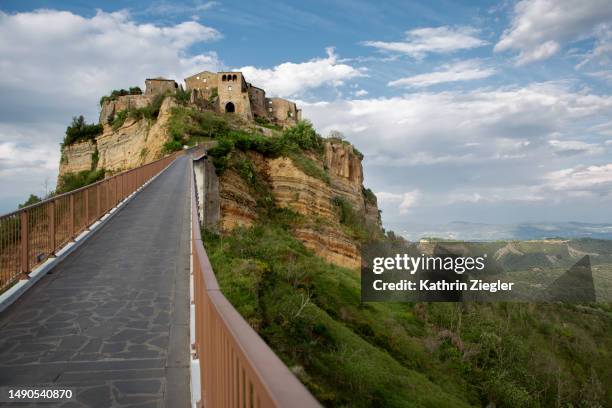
{"points": [[495, 112]]}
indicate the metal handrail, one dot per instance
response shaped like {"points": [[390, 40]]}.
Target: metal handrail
{"points": [[31, 235], [237, 368]]}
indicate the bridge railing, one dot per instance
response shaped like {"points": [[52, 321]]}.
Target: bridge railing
{"points": [[237, 368], [32, 234]]}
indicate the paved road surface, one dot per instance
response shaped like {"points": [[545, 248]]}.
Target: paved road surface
{"points": [[112, 319]]}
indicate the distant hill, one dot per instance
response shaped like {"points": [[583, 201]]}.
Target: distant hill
{"points": [[470, 231]]}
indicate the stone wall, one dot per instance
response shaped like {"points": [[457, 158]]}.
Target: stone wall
{"points": [[158, 86], [202, 84], [257, 96], [282, 112]]}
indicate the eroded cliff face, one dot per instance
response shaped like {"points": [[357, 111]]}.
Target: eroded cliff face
{"points": [[112, 107], [136, 142], [311, 197], [77, 157]]}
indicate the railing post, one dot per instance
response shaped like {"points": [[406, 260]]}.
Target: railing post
{"points": [[25, 245], [86, 203], [71, 216], [98, 188], [51, 217]]}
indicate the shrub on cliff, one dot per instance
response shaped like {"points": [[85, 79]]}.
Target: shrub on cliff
{"points": [[80, 131], [72, 181]]}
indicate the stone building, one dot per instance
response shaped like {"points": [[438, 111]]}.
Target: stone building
{"points": [[229, 92], [156, 86]]}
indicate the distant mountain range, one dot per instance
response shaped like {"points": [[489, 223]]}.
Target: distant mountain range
{"points": [[469, 231]]}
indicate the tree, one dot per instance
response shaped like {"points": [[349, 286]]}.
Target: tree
{"points": [[33, 199]]}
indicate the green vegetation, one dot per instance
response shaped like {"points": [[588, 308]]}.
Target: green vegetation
{"points": [[369, 195], [151, 111], [266, 123], [119, 119], [135, 90], [79, 131], [353, 222], [299, 143], [357, 354], [214, 94], [73, 181], [33, 199], [95, 158], [182, 96]]}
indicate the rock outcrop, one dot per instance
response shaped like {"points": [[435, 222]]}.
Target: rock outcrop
{"points": [[111, 107], [308, 196], [77, 157], [135, 142], [346, 174]]}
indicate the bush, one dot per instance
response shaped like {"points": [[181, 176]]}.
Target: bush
{"points": [[172, 146], [304, 136], [80, 131], [135, 90], [73, 181], [119, 119], [182, 95], [151, 111], [33, 199]]}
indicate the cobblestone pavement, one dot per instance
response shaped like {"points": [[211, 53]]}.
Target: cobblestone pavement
{"points": [[112, 319]]}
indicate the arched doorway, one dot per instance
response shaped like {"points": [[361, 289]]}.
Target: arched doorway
{"points": [[230, 108]]}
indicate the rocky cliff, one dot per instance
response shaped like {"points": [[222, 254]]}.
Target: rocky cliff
{"points": [[123, 144], [314, 199]]}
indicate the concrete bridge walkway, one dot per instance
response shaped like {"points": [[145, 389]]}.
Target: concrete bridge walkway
{"points": [[112, 320]]}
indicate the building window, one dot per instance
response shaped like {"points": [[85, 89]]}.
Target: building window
{"points": [[197, 77], [270, 110], [229, 87], [224, 77], [205, 80], [290, 114], [234, 77]]}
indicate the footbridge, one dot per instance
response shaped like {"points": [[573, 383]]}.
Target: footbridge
{"points": [[107, 291]]}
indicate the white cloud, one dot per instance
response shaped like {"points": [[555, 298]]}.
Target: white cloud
{"points": [[459, 71], [485, 146], [50, 51], [289, 78], [582, 178], [604, 75], [571, 147], [56, 64], [421, 41], [539, 28], [405, 201], [361, 92]]}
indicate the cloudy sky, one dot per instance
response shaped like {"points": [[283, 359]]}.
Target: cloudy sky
{"points": [[495, 112]]}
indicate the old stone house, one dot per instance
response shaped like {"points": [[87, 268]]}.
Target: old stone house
{"points": [[230, 92]]}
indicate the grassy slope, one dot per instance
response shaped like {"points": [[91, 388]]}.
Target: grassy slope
{"points": [[389, 354]]}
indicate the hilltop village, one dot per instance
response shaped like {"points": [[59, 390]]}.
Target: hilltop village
{"points": [[222, 92]]}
